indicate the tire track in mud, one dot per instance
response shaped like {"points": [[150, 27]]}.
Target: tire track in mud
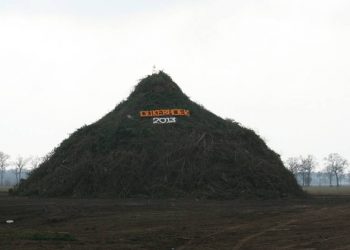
{"points": [[243, 241], [209, 236], [307, 214], [55, 213]]}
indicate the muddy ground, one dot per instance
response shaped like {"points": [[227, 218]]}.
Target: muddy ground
{"points": [[321, 222]]}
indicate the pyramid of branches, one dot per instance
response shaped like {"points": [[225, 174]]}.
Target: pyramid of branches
{"points": [[125, 155]]}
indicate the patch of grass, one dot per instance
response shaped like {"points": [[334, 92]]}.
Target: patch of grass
{"points": [[4, 189], [40, 236], [44, 236], [51, 236], [343, 190]]}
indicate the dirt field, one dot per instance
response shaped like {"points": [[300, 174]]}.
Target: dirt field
{"points": [[321, 222], [4, 189], [324, 190]]}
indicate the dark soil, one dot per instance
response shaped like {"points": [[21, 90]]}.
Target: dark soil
{"points": [[314, 223]]}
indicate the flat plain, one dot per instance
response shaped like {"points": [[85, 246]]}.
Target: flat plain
{"points": [[316, 222], [326, 190], [4, 189]]}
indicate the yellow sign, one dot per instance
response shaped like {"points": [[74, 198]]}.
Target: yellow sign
{"points": [[165, 112]]}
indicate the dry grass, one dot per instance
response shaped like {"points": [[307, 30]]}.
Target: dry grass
{"points": [[344, 190], [4, 189]]}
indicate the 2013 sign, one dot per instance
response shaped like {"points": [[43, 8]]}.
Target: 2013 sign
{"points": [[164, 120]]}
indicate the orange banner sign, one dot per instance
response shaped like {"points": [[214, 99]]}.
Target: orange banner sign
{"points": [[165, 112]]}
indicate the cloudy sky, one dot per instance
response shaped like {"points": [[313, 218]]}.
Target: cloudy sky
{"points": [[280, 67]]}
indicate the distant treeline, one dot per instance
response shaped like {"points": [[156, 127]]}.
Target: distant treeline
{"points": [[12, 171], [10, 178], [322, 179], [334, 171]]}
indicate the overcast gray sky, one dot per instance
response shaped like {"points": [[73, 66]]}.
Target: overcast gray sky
{"points": [[280, 67]]}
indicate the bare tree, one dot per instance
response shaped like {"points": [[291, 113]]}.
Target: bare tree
{"points": [[335, 165], [306, 166], [3, 164], [329, 172], [293, 164], [20, 163], [342, 177], [322, 178]]}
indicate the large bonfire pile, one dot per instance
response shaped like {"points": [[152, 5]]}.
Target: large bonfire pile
{"points": [[158, 143]]}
